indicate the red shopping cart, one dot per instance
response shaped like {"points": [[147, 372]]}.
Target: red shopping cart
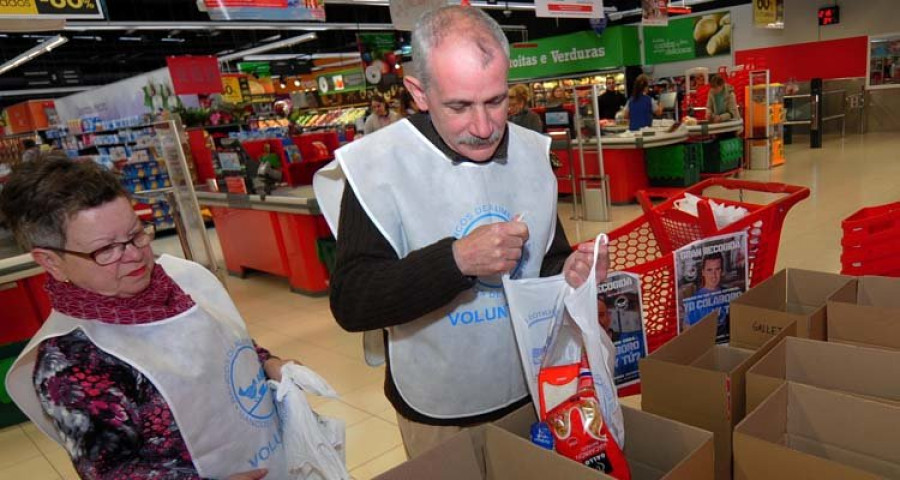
{"points": [[644, 246]]}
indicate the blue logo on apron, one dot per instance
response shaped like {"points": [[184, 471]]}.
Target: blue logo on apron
{"points": [[248, 384]]}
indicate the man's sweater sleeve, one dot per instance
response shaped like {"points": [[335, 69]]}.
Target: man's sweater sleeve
{"points": [[559, 251], [372, 288]]}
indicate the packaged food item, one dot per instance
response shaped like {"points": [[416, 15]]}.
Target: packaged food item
{"points": [[580, 432]]}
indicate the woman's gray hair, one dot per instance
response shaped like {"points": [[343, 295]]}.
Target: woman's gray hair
{"points": [[41, 197], [437, 25]]}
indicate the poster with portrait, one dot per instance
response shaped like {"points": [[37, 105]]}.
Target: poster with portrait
{"points": [[709, 274], [621, 316]]}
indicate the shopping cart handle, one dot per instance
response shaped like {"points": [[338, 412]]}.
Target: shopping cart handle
{"points": [[732, 184]]}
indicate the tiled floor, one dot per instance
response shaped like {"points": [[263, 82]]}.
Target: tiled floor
{"points": [[844, 175]]}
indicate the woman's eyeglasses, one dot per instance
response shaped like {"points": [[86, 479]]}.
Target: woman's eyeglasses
{"points": [[113, 252]]}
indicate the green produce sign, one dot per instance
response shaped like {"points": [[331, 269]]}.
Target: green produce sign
{"points": [[688, 38], [349, 80], [574, 53]]}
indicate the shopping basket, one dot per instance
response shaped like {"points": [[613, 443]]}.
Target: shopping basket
{"points": [[645, 245]]}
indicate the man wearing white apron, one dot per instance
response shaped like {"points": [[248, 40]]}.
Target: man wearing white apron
{"points": [[439, 206]]}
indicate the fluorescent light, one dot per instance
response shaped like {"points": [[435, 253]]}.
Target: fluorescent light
{"points": [[335, 64], [288, 42], [33, 52], [87, 37], [131, 39], [272, 38], [31, 92], [172, 40]]}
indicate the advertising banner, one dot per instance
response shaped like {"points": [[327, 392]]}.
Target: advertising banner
{"points": [[378, 58], [80, 9], [709, 274], [574, 53], [620, 315], [655, 13], [768, 13], [195, 75], [350, 80], [569, 8], [689, 38], [234, 88], [295, 10]]}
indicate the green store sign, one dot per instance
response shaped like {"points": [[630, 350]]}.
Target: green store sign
{"points": [[574, 53], [702, 36], [349, 80]]}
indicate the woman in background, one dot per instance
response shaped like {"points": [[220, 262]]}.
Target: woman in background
{"points": [[721, 105], [641, 108], [519, 113]]}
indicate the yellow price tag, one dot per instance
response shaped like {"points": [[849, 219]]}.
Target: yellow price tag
{"points": [[765, 12], [18, 7]]}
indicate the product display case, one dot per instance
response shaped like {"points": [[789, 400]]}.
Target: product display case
{"points": [[764, 121], [541, 89]]}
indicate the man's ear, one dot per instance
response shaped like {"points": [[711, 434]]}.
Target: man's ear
{"points": [[415, 88], [51, 262]]}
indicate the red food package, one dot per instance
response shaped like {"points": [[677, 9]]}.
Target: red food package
{"points": [[556, 385], [580, 433]]}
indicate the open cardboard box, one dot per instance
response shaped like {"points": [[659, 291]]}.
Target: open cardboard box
{"points": [[491, 453], [693, 380], [802, 431], [656, 447], [866, 312], [789, 296], [868, 372]]}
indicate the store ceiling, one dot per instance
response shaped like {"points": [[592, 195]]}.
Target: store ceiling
{"points": [[97, 57]]}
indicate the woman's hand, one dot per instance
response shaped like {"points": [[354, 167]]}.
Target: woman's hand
{"points": [[251, 475], [273, 366]]}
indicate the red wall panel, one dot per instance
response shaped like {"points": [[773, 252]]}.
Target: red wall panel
{"points": [[828, 59]]}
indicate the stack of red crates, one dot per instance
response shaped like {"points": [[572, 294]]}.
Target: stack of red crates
{"points": [[870, 240]]}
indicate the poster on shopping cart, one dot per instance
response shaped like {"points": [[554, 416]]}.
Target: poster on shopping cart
{"points": [[621, 316], [709, 274]]}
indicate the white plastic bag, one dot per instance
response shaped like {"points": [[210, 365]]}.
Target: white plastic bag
{"points": [[724, 215], [313, 444], [530, 299]]}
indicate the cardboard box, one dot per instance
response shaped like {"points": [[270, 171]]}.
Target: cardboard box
{"points": [[808, 432], [833, 366], [866, 312], [656, 447], [789, 296], [491, 453], [692, 380]]}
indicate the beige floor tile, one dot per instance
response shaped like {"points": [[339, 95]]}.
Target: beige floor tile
{"points": [[376, 467], [338, 409], [62, 464], [35, 468], [369, 398], [16, 447], [43, 442], [370, 439], [389, 415]]}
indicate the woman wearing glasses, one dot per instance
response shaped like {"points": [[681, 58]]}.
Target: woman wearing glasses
{"points": [[144, 369]]}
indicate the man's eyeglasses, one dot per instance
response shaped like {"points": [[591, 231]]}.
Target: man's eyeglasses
{"points": [[113, 252]]}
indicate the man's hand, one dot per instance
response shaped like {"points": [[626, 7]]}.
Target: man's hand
{"points": [[251, 475], [490, 249], [578, 265]]}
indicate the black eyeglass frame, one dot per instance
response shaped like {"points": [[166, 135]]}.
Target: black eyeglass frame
{"points": [[148, 230]]}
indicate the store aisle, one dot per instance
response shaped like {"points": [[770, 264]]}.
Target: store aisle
{"points": [[844, 175]]}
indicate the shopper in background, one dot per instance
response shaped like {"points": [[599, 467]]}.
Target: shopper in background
{"points": [[721, 104], [269, 157], [519, 113], [557, 97], [32, 150], [127, 371], [434, 209], [380, 117], [640, 109], [611, 101]]}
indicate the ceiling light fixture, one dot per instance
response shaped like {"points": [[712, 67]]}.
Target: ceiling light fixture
{"points": [[288, 42], [130, 39], [32, 53], [296, 83]]}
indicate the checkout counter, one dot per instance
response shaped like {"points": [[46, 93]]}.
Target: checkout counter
{"points": [[279, 235]]}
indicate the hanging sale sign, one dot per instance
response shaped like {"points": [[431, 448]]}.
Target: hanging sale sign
{"points": [[232, 88], [349, 80], [63, 9], [768, 13], [276, 10], [195, 75], [655, 13], [569, 8]]}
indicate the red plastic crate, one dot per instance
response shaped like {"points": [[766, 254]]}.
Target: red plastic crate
{"points": [[866, 222]]}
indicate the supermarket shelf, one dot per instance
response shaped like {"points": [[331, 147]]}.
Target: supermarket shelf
{"points": [[143, 125]]}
